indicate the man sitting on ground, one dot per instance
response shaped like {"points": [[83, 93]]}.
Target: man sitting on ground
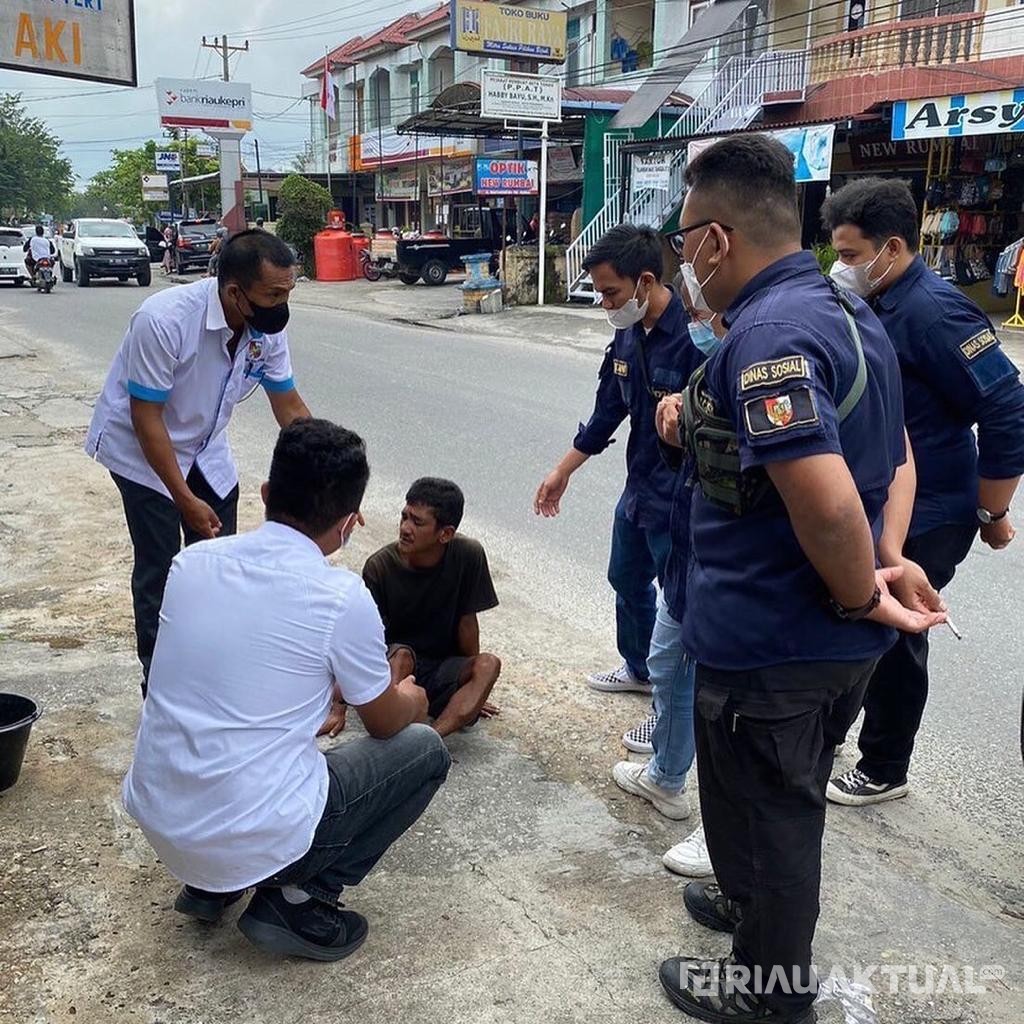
{"points": [[429, 587], [258, 636]]}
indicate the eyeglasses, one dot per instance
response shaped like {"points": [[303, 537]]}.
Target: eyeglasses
{"points": [[678, 240]]}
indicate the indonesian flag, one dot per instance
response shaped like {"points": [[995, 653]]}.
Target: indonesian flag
{"points": [[327, 92]]}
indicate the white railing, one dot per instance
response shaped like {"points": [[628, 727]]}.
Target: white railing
{"points": [[613, 142], [607, 217]]}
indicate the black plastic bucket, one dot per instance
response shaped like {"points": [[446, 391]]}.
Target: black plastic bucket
{"points": [[17, 714]]}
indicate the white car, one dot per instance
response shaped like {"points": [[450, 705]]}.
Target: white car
{"points": [[94, 247], [12, 257]]}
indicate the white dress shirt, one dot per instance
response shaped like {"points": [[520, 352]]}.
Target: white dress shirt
{"points": [[227, 782], [175, 353], [39, 247]]}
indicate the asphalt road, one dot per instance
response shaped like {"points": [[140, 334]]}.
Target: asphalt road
{"points": [[495, 415]]}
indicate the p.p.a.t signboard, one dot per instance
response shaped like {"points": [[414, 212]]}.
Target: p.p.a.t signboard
{"points": [[88, 39]]}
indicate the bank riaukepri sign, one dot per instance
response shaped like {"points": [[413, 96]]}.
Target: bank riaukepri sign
{"points": [[212, 106], [89, 39], [941, 117]]}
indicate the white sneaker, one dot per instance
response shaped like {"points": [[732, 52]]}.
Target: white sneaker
{"points": [[619, 681], [690, 857], [632, 777], [638, 739]]}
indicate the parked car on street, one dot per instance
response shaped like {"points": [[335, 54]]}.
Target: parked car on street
{"points": [[95, 247], [12, 256], [193, 248]]}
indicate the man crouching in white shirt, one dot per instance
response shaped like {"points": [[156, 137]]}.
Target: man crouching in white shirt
{"points": [[259, 636]]}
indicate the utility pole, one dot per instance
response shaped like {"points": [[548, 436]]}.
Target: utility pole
{"points": [[221, 45]]}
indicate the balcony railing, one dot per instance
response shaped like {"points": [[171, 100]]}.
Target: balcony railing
{"points": [[918, 43]]}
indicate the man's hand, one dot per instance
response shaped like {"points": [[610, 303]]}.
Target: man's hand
{"points": [[489, 710], [666, 419], [549, 494], [408, 689], [913, 590], [891, 613], [335, 720], [998, 535], [200, 518]]}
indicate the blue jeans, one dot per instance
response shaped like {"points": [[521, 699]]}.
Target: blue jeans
{"points": [[638, 558], [672, 674]]}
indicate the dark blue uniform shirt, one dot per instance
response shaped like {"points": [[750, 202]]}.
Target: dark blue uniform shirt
{"points": [[954, 375], [753, 599], [621, 391]]}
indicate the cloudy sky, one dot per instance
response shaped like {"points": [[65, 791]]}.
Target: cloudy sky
{"points": [[283, 38]]}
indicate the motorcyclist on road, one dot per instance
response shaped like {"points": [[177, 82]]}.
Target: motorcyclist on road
{"points": [[38, 247]]}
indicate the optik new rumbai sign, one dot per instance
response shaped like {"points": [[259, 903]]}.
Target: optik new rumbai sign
{"points": [[979, 113]]}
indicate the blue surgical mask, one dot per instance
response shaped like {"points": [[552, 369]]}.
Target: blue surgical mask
{"points": [[704, 337]]}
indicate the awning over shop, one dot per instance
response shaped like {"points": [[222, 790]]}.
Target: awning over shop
{"points": [[678, 62]]}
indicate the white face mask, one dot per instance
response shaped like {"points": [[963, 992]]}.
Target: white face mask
{"points": [[628, 314], [695, 288], [857, 278]]}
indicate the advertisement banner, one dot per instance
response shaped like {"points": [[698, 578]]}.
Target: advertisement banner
{"points": [[168, 160], [458, 177], [154, 188], [977, 113], [92, 40], [507, 31], [212, 106], [388, 147], [522, 97], [811, 148], [506, 177], [398, 185], [652, 171]]}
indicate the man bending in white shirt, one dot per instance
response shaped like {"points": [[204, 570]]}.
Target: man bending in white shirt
{"points": [[259, 637]]}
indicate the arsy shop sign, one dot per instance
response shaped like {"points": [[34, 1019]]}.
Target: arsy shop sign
{"points": [[979, 113], [89, 39]]}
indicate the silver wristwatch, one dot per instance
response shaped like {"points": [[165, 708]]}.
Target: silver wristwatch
{"points": [[985, 517]]}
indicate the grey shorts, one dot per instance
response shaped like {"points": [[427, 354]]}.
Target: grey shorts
{"points": [[440, 677]]}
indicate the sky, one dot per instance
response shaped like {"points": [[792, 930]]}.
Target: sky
{"points": [[93, 118]]}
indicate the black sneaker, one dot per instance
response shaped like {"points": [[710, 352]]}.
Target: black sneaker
{"points": [[203, 905], [855, 789], [710, 907], [709, 991], [312, 929]]}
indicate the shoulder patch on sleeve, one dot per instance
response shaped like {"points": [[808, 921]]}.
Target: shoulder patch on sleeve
{"points": [[774, 371], [774, 413], [978, 343], [621, 368]]}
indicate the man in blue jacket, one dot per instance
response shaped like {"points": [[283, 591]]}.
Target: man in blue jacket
{"points": [[955, 378], [651, 356]]}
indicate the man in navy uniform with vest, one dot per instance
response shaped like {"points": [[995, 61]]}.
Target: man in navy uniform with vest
{"points": [[796, 426], [955, 377]]}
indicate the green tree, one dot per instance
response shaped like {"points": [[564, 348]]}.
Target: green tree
{"points": [[34, 177], [119, 187], [302, 207]]}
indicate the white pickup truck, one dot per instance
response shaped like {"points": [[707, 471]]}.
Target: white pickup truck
{"points": [[94, 248], [12, 257]]}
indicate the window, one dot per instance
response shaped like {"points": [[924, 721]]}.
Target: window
{"points": [[572, 51], [414, 90], [911, 9]]}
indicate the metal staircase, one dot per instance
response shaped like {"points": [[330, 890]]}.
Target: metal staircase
{"points": [[732, 100]]}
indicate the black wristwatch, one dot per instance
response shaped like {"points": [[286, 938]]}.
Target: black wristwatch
{"points": [[855, 614], [985, 517]]}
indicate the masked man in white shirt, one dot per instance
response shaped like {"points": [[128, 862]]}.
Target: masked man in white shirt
{"points": [[160, 425], [259, 634]]}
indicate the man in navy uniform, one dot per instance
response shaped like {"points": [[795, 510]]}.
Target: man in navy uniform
{"points": [[650, 357], [796, 426], [955, 377]]}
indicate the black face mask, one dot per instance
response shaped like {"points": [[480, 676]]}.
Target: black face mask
{"points": [[265, 319]]}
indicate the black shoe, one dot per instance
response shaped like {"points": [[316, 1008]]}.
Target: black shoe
{"points": [[855, 789], [312, 929], [203, 905], [706, 990], [710, 907]]}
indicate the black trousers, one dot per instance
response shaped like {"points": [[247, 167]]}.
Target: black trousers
{"points": [[765, 741], [156, 528], [898, 691]]}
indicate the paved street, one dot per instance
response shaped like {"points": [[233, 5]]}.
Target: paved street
{"points": [[937, 875]]}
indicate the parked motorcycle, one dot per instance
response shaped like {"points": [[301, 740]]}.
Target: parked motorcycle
{"points": [[370, 269], [43, 279]]}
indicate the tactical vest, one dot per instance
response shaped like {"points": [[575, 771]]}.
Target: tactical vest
{"points": [[712, 442]]}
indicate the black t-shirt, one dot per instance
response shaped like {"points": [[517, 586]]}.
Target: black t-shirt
{"points": [[422, 607]]}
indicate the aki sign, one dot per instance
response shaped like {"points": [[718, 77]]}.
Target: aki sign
{"points": [[93, 40], [980, 113]]}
